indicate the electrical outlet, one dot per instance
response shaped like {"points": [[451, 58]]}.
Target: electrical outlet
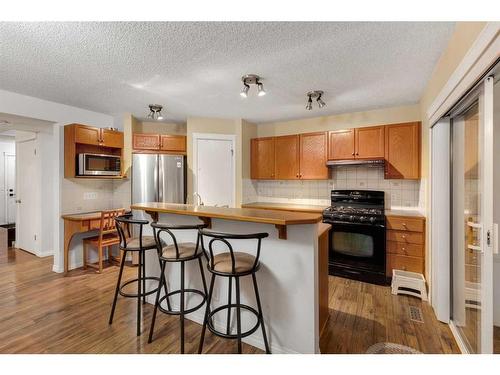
{"points": [[89, 195]]}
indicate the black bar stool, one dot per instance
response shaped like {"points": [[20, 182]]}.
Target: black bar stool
{"points": [[140, 244], [233, 265], [180, 253]]}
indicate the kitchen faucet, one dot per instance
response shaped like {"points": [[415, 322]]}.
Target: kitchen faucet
{"points": [[199, 201]]}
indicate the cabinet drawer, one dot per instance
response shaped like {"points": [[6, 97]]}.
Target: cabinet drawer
{"points": [[405, 263], [405, 237], [405, 223], [402, 248]]}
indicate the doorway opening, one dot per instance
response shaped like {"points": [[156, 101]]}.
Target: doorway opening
{"points": [[26, 197]]}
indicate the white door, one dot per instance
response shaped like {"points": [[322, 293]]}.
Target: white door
{"points": [[10, 188], [27, 196], [473, 230], [214, 169]]}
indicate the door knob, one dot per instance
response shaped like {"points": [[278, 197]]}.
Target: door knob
{"points": [[18, 201]]}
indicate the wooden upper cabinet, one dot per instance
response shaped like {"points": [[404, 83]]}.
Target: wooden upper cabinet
{"points": [[173, 143], [262, 158], [341, 144], [87, 135], [111, 138], [313, 155], [146, 142], [287, 157], [402, 150], [369, 142]]}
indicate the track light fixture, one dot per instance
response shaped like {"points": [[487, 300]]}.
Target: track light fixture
{"points": [[252, 79], [155, 112], [316, 94]]}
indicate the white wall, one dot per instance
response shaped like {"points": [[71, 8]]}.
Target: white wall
{"points": [[7, 145], [52, 162]]}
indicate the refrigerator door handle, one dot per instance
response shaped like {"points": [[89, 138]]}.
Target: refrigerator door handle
{"points": [[161, 177]]}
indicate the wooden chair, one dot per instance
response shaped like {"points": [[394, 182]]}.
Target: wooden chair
{"points": [[106, 238]]}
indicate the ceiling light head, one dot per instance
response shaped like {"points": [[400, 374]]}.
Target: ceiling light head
{"points": [[244, 90], [260, 89], [252, 79], [316, 94], [155, 112], [309, 105]]}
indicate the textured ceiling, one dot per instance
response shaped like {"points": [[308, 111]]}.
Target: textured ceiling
{"points": [[194, 69]]}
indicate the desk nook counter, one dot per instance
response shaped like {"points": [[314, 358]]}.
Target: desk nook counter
{"points": [[292, 271]]}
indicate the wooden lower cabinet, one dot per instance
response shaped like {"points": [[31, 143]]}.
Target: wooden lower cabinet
{"points": [[405, 244]]}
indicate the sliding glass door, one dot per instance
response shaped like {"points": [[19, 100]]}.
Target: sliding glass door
{"points": [[472, 227]]}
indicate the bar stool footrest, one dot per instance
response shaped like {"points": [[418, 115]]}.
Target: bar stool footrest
{"points": [[134, 295], [212, 329], [178, 312]]}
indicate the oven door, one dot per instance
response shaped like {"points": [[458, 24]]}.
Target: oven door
{"points": [[98, 165], [357, 247]]}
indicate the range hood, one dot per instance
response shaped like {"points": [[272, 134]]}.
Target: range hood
{"points": [[367, 162]]}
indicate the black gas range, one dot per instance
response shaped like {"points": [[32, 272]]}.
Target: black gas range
{"points": [[357, 237]]}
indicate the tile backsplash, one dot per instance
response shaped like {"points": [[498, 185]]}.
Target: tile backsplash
{"points": [[399, 194], [82, 195]]}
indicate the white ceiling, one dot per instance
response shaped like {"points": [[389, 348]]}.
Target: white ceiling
{"points": [[194, 69]]}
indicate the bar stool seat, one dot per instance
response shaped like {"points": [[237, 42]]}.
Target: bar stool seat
{"points": [[133, 244], [186, 250], [243, 263]]}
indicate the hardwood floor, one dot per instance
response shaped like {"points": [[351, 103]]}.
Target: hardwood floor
{"points": [[45, 312], [364, 314]]}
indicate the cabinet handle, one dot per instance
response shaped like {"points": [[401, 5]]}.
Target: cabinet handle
{"points": [[404, 224], [297, 175], [300, 175], [403, 236], [352, 154], [357, 153]]}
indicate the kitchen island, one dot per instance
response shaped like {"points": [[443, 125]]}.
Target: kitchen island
{"points": [[292, 267]]}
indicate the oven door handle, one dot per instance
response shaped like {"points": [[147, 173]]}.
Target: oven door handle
{"points": [[356, 224]]}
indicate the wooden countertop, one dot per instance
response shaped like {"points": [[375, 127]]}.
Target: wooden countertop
{"points": [[82, 216], [285, 207], [238, 214], [319, 209], [405, 213]]}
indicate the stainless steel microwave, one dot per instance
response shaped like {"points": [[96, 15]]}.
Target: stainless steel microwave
{"points": [[98, 165]]}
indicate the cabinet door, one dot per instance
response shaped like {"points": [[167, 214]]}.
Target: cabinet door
{"points": [[146, 142], [173, 143], [262, 158], [341, 144], [287, 157], [369, 142], [402, 151], [111, 138], [87, 135], [313, 155]]}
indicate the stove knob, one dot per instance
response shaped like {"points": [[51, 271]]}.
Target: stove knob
{"points": [[351, 218], [362, 219], [372, 219]]}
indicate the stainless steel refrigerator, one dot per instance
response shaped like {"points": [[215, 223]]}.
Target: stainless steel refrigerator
{"points": [[158, 178]]}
